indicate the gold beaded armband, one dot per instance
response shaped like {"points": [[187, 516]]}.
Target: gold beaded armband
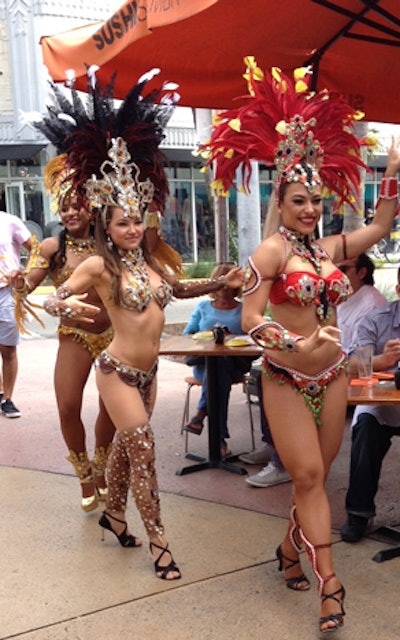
{"points": [[195, 289], [54, 305], [271, 335]]}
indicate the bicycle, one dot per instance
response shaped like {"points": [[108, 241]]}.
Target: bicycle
{"points": [[388, 249]]}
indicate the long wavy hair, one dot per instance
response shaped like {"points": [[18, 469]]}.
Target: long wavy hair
{"points": [[273, 219]]}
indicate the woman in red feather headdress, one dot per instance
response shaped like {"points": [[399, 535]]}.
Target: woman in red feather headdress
{"points": [[308, 138]]}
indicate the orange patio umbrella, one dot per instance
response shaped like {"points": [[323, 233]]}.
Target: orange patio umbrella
{"points": [[353, 45]]}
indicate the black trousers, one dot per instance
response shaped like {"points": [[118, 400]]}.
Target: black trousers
{"points": [[370, 442]]}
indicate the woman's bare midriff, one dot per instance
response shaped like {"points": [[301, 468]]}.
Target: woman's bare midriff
{"points": [[137, 335], [304, 323]]}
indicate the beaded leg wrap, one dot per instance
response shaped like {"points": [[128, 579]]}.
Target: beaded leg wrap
{"points": [[311, 551], [294, 531], [118, 476], [83, 468], [132, 460], [118, 468], [99, 464]]}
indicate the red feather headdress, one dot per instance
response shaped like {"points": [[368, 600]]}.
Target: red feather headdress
{"points": [[307, 136]]}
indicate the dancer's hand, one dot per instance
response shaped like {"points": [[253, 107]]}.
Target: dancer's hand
{"points": [[393, 161], [234, 279], [320, 336], [76, 307]]}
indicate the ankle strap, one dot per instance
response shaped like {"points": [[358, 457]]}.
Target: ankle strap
{"points": [[108, 515], [325, 580]]}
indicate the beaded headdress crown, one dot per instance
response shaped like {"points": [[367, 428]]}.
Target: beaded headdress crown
{"points": [[308, 137], [120, 185]]}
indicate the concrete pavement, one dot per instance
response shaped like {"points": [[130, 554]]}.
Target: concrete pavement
{"points": [[59, 581]]}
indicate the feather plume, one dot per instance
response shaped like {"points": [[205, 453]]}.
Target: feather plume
{"points": [[82, 127], [323, 137]]}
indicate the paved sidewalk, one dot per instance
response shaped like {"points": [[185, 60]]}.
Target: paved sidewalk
{"points": [[61, 582]]}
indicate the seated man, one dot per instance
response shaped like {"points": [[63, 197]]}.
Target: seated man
{"points": [[365, 297], [373, 426]]}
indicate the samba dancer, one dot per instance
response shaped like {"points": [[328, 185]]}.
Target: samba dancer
{"points": [[308, 137], [123, 182]]}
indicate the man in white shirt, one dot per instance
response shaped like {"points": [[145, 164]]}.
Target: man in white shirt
{"points": [[365, 297], [13, 235], [373, 426]]}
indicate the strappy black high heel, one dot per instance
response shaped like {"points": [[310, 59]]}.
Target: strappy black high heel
{"points": [[292, 583], [337, 618], [338, 595], [125, 540], [162, 572]]}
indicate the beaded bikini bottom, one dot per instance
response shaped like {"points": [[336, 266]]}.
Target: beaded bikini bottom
{"points": [[130, 375]]}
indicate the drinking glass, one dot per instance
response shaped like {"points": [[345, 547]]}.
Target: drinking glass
{"points": [[364, 361]]}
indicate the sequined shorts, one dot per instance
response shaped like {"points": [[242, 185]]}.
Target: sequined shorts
{"points": [[312, 388], [130, 375], [95, 343]]}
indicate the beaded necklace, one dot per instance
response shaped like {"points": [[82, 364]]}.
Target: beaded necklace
{"points": [[80, 245], [133, 259], [305, 247], [138, 292]]}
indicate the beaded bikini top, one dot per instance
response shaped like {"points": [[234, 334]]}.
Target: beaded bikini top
{"points": [[138, 293], [304, 288]]}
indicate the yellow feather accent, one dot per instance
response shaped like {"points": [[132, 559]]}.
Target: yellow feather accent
{"points": [[54, 172], [21, 310], [235, 124], [300, 73], [281, 127], [301, 86], [276, 73], [250, 62]]}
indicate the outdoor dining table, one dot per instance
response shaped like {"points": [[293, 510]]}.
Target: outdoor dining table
{"points": [[382, 392], [187, 346]]}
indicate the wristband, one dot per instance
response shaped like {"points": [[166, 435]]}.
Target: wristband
{"points": [[389, 188], [54, 305], [22, 292], [390, 191], [271, 335]]}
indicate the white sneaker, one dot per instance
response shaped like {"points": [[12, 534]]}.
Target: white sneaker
{"points": [[262, 455], [270, 475]]}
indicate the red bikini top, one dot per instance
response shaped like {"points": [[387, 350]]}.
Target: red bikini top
{"points": [[304, 288]]}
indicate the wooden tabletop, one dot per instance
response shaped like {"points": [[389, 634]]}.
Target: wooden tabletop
{"points": [[383, 393], [186, 346]]}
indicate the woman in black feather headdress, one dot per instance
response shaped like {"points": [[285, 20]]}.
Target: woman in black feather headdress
{"points": [[116, 169]]}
